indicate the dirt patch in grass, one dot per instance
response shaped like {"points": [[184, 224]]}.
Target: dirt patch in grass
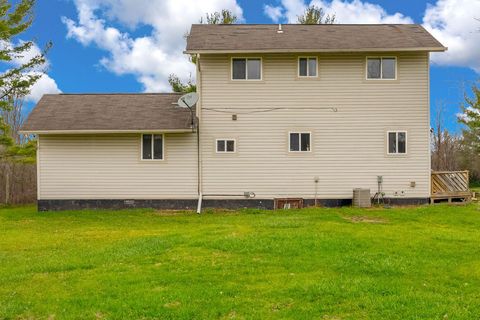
{"points": [[173, 304], [173, 213], [365, 219], [192, 212]]}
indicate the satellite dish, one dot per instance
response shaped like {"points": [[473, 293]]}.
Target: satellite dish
{"points": [[188, 100]]}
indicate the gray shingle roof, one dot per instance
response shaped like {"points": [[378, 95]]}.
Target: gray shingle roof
{"points": [[314, 38], [108, 112]]}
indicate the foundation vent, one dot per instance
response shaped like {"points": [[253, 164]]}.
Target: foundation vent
{"points": [[288, 203]]}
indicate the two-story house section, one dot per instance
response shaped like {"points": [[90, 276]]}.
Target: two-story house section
{"points": [[306, 112]]}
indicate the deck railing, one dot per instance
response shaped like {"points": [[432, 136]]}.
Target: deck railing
{"points": [[450, 185]]}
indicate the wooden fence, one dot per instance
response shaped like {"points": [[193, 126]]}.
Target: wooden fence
{"points": [[450, 185], [18, 183]]}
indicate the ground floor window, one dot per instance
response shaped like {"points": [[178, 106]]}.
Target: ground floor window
{"points": [[225, 145], [152, 146], [397, 142], [299, 141]]}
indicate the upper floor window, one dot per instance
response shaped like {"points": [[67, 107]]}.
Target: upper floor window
{"points": [[397, 142], [382, 68], [307, 67], [299, 141], [225, 145], [152, 146], [246, 69]]}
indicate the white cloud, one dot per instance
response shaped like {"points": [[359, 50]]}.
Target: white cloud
{"points": [[293, 8], [274, 13], [151, 58], [453, 23], [360, 12], [355, 11], [45, 85]]}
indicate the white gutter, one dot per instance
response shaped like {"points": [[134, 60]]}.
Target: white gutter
{"points": [[199, 146], [93, 131], [429, 49]]}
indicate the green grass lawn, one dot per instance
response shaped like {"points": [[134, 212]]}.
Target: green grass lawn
{"points": [[403, 263]]}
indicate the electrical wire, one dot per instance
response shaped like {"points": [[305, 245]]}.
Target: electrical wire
{"points": [[261, 110]]}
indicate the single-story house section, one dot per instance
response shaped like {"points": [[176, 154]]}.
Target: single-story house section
{"points": [[287, 115], [114, 150]]}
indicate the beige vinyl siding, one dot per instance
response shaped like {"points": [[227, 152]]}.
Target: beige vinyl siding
{"points": [[109, 166], [348, 146]]}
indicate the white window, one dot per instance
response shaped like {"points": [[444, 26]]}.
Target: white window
{"points": [[246, 69], [299, 141], [307, 67], [152, 146], [225, 145], [397, 142], [382, 68]]}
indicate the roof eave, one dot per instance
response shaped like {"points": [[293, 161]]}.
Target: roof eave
{"points": [[98, 131], [428, 49]]}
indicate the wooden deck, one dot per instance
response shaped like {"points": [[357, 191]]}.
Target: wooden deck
{"points": [[450, 186]]}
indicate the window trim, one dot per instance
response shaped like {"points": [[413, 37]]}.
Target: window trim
{"points": [[226, 139], [388, 144], [152, 144], [316, 67], [300, 145], [246, 68], [381, 74]]}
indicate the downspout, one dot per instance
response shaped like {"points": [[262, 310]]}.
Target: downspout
{"points": [[199, 169], [39, 192], [199, 149]]}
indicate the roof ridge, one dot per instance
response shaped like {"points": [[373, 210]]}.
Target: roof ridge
{"points": [[113, 93], [299, 24]]}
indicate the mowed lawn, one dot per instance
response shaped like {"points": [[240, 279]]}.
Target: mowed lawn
{"points": [[345, 263]]}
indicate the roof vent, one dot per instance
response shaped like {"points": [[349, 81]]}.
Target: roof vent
{"points": [[279, 28]]}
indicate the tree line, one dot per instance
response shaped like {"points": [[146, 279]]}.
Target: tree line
{"points": [[459, 151]]}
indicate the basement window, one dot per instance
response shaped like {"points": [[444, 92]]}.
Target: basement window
{"points": [[246, 69], [225, 145], [379, 68], [299, 142], [397, 142], [307, 67], [152, 146]]}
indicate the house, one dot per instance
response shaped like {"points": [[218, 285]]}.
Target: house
{"points": [[306, 112]]}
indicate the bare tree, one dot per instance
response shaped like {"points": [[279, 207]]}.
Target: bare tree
{"points": [[315, 15], [14, 116], [445, 146], [222, 17]]}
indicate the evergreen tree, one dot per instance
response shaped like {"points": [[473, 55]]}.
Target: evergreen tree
{"points": [[17, 80], [470, 117]]}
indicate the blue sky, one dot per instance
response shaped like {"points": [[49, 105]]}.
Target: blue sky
{"points": [[132, 45]]}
